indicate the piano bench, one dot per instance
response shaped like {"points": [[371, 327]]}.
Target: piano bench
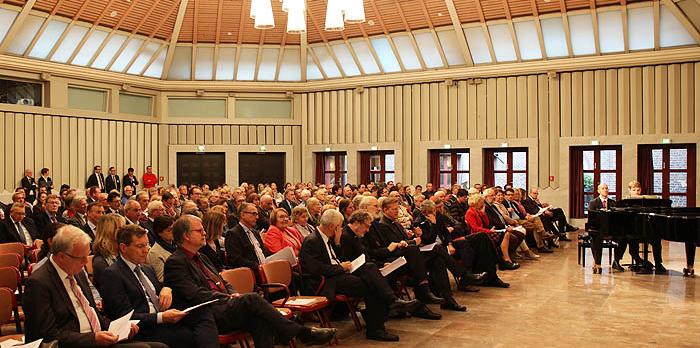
{"points": [[585, 243]]}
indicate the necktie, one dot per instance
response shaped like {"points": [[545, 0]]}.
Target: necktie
{"points": [[258, 250], [99, 182], [212, 279], [21, 233], [52, 218], [330, 247], [89, 311], [151, 293], [605, 204]]}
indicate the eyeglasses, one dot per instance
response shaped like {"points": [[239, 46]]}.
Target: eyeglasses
{"points": [[200, 230], [251, 212], [79, 258]]}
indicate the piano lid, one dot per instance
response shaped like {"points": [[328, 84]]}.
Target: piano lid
{"points": [[644, 201]]}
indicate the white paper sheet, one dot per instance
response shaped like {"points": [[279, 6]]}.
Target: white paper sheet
{"points": [[21, 344], [428, 247], [357, 263], [121, 327], [394, 265], [187, 310], [542, 210], [520, 229], [286, 254], [300, 301]]}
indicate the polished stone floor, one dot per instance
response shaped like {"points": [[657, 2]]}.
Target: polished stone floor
{"points": [[554, 302]]}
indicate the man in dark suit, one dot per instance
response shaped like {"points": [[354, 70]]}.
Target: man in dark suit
{"points": [[130, 179], [602, 202], [553, 220], [244, 247], [96, 179], [45, 180], [289, 201], [94, 211], [264, 210], [321, 255], [195, 280], [112, 181], [19, 228], [29, 186], [58, 303], [129, 283], [155, 209], [44, 219], [18, 197], [497, 221]]}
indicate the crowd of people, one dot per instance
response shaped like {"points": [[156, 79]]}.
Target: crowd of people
{"points": [[160, 249]]}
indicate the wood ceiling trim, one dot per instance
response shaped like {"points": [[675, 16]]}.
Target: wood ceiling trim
{"points": [[459, 32], [388, 37], [411, 38], [19, 21], [173, 39]]}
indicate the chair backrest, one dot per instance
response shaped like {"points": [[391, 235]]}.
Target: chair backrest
{"points": [[241, 279], [279, 271], [6, 303], [17, 248], [9, 278], [34, 255], [10, 260], [88, 265]]}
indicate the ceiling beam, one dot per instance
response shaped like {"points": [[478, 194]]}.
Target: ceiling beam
{"points": [[45, 24], [303, 55], [318, 63], [17, 24], [411, 38], [146, 42], [692, 30], [325, 41], [538, 27], [596, 32], [386, 33], [353, 54], [434, 33], [193, 61], [625, 29], [239, 37], [459, 32], [72, 23], [657, 26], [567, 30], [93, 27], [511, 28], [371, 48], [173, 38], [217, 39], [485, 30], [153, 58]]}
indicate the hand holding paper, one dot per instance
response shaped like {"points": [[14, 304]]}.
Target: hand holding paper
{"points": [[396, 264], [121, 327], [428, 247], [357, 263]]}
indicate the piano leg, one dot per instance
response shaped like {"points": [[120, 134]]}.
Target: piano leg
{"points": [[690, 260]]}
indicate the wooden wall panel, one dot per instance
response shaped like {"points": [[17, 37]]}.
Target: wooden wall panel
{"points": [[511, 108], [462, 111], [532, 106], [577, 103], [674, 98], [661, 99], [442, 129], [599, 122], [648, 100], [380, 113], [553, 132], [424, 112], [453, 111], [543, 129], [434, 118], [522, 107], [389, 111], [611, 100], [501, 108], [481, 110], [340, 109], [472, 111], [565, 95], [10, 173], [3, 158], [491, 109], [623, 97], [687, 88], [636, 101], [19, 147], [588, 103]]}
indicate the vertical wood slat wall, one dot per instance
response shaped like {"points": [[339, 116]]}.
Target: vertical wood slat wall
{"points": [[648, 100]]}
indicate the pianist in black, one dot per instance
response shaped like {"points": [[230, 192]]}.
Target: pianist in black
{"points": [[602, 202]]}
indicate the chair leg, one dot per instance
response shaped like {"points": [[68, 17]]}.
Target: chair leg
{"points": [[583, 256], [578, 253], [325, 322], [353, 314], [610, 250], [292, 343], [18, 322]]}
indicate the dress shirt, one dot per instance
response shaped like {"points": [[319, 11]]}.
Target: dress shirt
{"points": [[329, 249], [82, 317], [23, 233], [258, 250], [151, 305]]}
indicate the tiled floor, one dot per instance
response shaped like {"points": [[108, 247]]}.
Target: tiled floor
{"points": [[555, 302]]}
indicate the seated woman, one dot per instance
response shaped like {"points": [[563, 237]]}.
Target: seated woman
{"points": [[530, 229], [300, 220], [280, 234], [105, 248], [164, 246], [214, 223], [477, 220]]}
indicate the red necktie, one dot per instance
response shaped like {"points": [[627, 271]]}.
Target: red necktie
{"points": [[605, 204], [89, 311]]}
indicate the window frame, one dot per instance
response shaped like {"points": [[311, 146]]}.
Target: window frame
{"points": [[666, 171], [579, 193], [490, 165], [339, 175], [436, 173]]}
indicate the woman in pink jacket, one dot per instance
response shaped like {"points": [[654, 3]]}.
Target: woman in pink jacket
{"points": [[280, 234]]}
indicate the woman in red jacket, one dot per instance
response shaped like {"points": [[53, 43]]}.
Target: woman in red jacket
{"points": [[478, 221], [280, 234]]}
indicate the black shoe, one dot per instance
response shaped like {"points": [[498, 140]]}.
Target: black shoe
{"points": [[570, 228], [404, 306], [472, 278], [660, 269], [498, 283], [545, 250], [451, 304], [467, 288], [317, 336], [424, 312], [564, 238], [426, 296], [584, 236], [382, 336], [616, 266], [509, 266]]}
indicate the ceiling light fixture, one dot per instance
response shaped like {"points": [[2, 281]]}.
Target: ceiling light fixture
{"points": [[338, 13], [354, 11], [334, 15], [263, 14]]}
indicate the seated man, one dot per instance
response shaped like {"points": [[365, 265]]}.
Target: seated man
{"points": [[49, 215], [509, 238], [321, 255], [533, 224], [553, 219], [195, 280], [58, 304], [19, 228], [244, 246], [129, 283]]}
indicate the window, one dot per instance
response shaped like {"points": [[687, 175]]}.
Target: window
{"points": [[591, 166], [196, 107], [377, 166], [135, 104], [87, 99], [506, 166], [20, 92], [449, 167], [668, 171], [332, 168]]}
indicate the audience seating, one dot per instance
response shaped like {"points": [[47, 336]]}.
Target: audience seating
{"points": [[9, 278]]}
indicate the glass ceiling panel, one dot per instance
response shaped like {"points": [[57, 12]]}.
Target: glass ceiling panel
{"points": [[48, 39], [290, 69], [268, 64], [69, 44], [224, 65], [25, 35], [364, 55], [89, 47], [143, 58], [385, 54], [502, 43], [7, 18], [610, 31], [181, 65], [326, 61], [554, 37], [312, 71], [127, 54], [528, 41], [156, 68], [451, 48], [582, 36], [406, 52], [110, 49], [428, 49], [246, 64], [641, 28], [205, 63], [477, 45], [672, 32], [345, 59]]}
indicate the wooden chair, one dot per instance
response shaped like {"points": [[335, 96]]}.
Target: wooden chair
{"points": [[9, 278], [16, 248], [13, 260], [586, 242]]}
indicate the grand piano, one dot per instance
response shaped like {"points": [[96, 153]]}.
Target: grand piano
{"points": [[649, 218]]}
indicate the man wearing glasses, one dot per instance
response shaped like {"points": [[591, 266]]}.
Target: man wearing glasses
{"points": [[244, 246]]}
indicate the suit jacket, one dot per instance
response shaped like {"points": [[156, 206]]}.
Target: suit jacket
{"points": [[531, 206], [239, 249], [288, 206], [86, 228], [431, 231], [148, 225], [50, 313], [597, 203], [9, 232], [156, 259], [190, 286], [315, 261], [351, 246], [43, 223], [121, 291], [48, 183], [493, 215], [381, 233], [99, 265], [30, 188], [263, 222], [477, 221], [512, 204], [130, 181], [112, 184], [92, 181]]}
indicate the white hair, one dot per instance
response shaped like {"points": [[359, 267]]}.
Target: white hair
{"points": [[331, 217], [68, 236], [366, 201]]}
